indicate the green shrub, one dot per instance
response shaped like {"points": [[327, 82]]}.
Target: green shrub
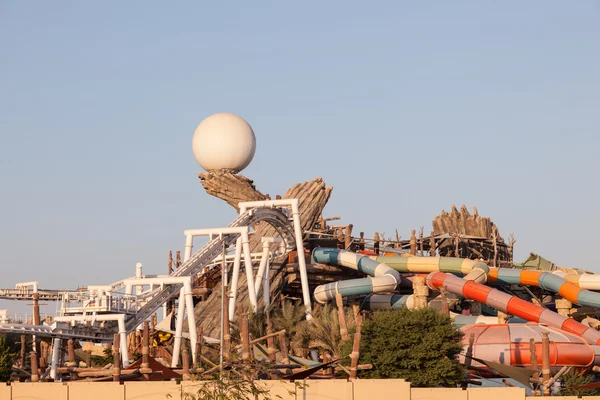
{"points": [[420, 346]]}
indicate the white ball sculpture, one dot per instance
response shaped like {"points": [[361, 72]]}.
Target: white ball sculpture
{"points": [[224, 143]]}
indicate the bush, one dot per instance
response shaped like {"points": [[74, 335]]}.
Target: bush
{"points": [[6, 360], [575, 378], [420, 346]]}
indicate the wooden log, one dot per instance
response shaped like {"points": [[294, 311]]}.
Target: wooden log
{"points": [[271, 339], [44, 355], [283, 347], [22, 360], [341, 316], [199, 340], [185, 357], [355, 347], [533, 358], [71, 353], [348, 237], [468, 356], [432, 244], [421, 242], [88, 358], [245, 334], [546, 362], [117, 359], [35, 377], [413, 243]]}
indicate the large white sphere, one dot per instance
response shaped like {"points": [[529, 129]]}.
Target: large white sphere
{"points": [[224, 142]]}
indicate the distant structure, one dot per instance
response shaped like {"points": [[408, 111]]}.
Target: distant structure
{"points": [[224, 143]]}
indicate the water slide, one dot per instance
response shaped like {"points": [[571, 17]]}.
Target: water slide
{"points": [[511, 305], [572, 286], [386, 277], [508, 344]]}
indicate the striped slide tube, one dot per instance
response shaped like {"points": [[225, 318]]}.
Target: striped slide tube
{"points": [[584, 281], [545, 280], [472, 270], [385, 279], [510, 305]]}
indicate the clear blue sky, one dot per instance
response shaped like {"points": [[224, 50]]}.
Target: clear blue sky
{"points": [[404, 107]]}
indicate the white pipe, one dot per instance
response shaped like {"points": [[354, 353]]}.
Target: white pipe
{"points": [[266, 285], [123, 337], [189, 244], [245, 205], [55, 355], [25, 285], [249, 271], [235, 276], [301, 259], [178, 328], [189, 305], [261, 268]]}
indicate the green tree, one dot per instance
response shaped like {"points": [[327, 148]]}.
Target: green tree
{"points": [[575, 378], [322, 332], [6, 360], [420, 346]]}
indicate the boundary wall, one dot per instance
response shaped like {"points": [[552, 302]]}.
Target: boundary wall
{"points": [[360, 389]]}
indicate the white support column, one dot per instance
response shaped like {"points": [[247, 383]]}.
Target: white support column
{"points": [[249, 271], [189, 305], [55, 356], [301, 260], [267, 284], [264, 259], [123, 337], [235, 276], [178, 328], [189, 244]]}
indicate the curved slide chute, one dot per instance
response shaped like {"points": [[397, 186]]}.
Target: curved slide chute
{"points": [[510, 304], [384, 278], [545, 280], [472, 270]]}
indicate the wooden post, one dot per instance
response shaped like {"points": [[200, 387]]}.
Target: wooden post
{"points": [[468, 356], [199, 340], [178, 259], [23, 337], [495, 239], [362, 240], [376, 243], [420, 291], [245, 335], [413, 243], [146, 349], [71, 351], [421, 241], [545, 362], [284, 348], [563, 306], [445, 306], [226, 329], [533, 358], [44, 355], [35, 377], [88, 358], [116, 358], [355, 347], [432, 244], [348, 237], [270, 340], [341, 316], [185, 357]]}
